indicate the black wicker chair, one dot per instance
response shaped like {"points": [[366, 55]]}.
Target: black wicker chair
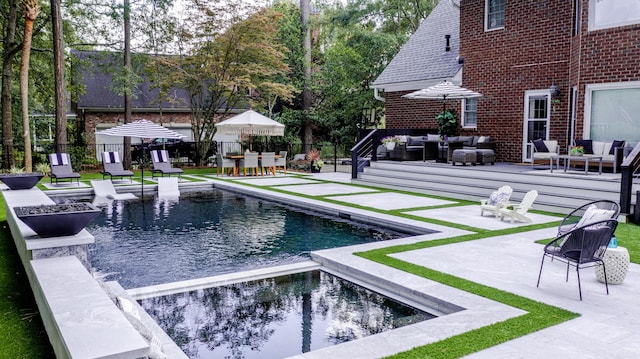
{"points": [[582, 247], [571, 220]]}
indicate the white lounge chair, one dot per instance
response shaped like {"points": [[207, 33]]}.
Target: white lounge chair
{"points": [[519, 211], [105, 189], [168, 187], [498, 199]]}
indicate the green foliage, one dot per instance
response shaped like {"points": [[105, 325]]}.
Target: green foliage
{"points": [[43, 167], [447, 123]]}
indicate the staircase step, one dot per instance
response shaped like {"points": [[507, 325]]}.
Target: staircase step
{"points": [[558, 192]]}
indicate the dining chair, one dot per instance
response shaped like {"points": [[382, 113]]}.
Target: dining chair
{"points": [[222, 163], [282, 161], [268, 163], [250, 161]]}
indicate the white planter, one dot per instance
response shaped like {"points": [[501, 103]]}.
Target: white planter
{"points": [[390, 146]]}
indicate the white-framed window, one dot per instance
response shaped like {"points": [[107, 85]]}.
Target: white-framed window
{"points": [[604, 14], [469, 113], [612, 112], [494, 14]]}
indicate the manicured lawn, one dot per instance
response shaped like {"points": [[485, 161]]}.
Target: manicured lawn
{"points": [[22, 334]]}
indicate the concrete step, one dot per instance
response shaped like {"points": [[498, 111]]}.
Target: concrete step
{"points": [[558, 192]]}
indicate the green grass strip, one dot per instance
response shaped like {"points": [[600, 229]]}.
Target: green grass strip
{"points": [[538, 316], [22, 333]]}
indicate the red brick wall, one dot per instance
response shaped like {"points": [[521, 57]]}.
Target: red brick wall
{"points": [[530, 53], [535, 49], [407, 113]]}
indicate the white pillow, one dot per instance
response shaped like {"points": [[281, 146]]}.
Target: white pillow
{"points": [[481, 139], [594, 214], [432, 137], [497, 197]]}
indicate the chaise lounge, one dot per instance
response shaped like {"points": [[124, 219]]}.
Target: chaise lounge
{"points": [[112, 167], [61, 168], [161, 164]]}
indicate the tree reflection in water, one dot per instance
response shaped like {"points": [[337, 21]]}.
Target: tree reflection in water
{"points": [[276, 317]]}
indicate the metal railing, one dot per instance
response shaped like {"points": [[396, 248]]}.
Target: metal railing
{"points": [[630, 168]]}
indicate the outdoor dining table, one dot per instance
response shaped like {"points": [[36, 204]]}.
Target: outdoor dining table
{"points": [[238, 158]]}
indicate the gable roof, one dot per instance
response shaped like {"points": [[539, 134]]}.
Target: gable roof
{"points": [[423, 61], [94, 70]]}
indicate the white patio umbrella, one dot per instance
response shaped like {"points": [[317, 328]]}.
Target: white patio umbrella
{"points": [[251, 123], [444, 91], [141, 129]]}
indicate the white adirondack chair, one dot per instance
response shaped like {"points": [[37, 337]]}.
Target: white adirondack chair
{"points": [[519, 211], [497, 200]]}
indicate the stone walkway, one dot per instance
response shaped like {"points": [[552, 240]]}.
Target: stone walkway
{"points": [[608, 326]]}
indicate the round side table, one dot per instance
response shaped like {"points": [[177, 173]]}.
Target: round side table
{"points": [[616, 261]]}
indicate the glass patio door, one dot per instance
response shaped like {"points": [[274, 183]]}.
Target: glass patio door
{"points": [[536, 120]]}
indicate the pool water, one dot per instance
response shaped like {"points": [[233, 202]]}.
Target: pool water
{"points": [[276, 317], [141, 243]]}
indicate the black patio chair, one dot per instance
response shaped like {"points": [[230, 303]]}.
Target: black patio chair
{"points": [[582, 247], [606, 209]]}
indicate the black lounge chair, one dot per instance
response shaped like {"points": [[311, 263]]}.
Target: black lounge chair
{"points": [[591, 212], [61, 168], [582, 247], [161, 164], [112, 167]]}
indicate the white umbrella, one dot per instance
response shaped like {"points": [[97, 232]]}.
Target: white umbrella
{"points": [[443, 91], [141, 129], [251, 123]]}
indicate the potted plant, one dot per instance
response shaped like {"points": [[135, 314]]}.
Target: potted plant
{"points": [[18, 179], [390, 142], [576, 150], [316, 161], [447, 123], [56, 220]]}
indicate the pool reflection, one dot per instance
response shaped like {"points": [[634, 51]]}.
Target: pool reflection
{"points": [[276, 317]]}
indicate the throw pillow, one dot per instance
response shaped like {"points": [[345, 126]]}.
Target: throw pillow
{"points": [[475, 141], [497, 197], [540, 146], [466, 140], [414, 140], [614, 145], [587, 145], [594, 214], [433, 137]]}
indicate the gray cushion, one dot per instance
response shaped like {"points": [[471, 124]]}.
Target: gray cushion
{"points": [[475, 141], [467, 140], [453, 138], [414, 140]]}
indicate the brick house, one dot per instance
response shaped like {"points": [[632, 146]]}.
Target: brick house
{"points": [[100, 107], [547, 69]]}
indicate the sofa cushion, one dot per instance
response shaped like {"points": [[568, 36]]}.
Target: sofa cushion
{"points": [[484, 139], [414, 140], [433, 137], [588, 146], [614, 144], [453, 138], [466, 140], [540, 146], [475, 141]]}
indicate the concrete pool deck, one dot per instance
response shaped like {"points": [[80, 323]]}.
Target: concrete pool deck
{"points": [[608, 326]]}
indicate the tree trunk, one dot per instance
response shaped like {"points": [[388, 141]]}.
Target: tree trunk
{"points": [[307, 139], [126, 152], [30, 11], [8, 159], [58, 71]]}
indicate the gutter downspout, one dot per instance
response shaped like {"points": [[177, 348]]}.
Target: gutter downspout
{"points": [[377, 96]]}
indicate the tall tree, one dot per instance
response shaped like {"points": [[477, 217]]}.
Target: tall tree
{"points": [[307, 98], [237, 51], [9, 51], [30, 11], [59, 80], [126, 153]]}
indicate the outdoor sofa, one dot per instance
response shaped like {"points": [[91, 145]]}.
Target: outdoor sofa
{"points": [[611, 151], [412, 148]]}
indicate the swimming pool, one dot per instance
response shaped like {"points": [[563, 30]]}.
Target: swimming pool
{"points": [[276, 317], [141, 243]]}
